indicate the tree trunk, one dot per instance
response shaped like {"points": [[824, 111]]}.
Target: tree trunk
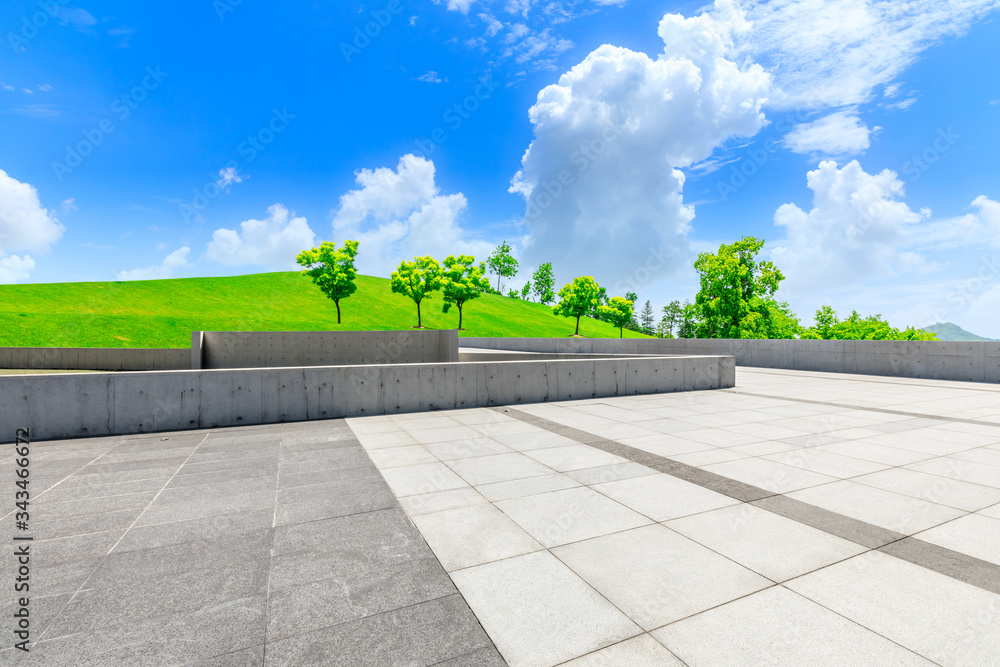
{"points": [[577, 326], [419, 324], [459, 316], [621, 332], [338, 310]]}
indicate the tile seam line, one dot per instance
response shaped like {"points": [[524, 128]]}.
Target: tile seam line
{"points": [[541, 422], [124, 533], [861, 377], [409, 519], [847, 406]]}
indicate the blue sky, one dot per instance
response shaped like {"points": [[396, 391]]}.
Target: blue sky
{"points": [[858, 138]]}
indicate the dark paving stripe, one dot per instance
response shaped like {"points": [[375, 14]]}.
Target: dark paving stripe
{"points": [[956, 565], [848, 406], [968, 569]]}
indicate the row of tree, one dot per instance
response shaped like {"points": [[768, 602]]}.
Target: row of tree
{"points": [[736, 299]]}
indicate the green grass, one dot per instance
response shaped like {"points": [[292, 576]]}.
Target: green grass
{"points": [[163, 313]]}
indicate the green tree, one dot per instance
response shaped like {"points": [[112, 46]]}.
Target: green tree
{"points": [[857, 327], [544, 283], [462, 281], [514, 293], [736, 299], [688, 325], [671, 319], [331, 270], [502, 263], [578, 298], [417, 280], [526, 291], [618, 312], [646, 319]]}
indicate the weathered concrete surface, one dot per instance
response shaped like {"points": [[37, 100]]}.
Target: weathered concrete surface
{"points": [[94, 358], [70, 406], [240, 349], [935, 360]]}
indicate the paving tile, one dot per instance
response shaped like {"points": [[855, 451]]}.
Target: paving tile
{"points": [[769, 475], [398, 438], [772, 545], [933, 488], [473, 535], [518, 488], [498, 468], [942, 619], [641, 651], [973, 534], [367, 481], [966, 471], [465, 449], [574, 457], [522, 442], [195, 530], [986, 455], [250, 657], [560, 517], [610, 473], [993, 511], [485, 657], [423, 634], [354, 594], [709, 457], [870, 451], [427, 436], [333, 507], [661, 497], [826, 463], [656, 576], [778, 627], [422, 479], [538, 612], [168, 511], [441, 500], [401, 456], [899, 513]]}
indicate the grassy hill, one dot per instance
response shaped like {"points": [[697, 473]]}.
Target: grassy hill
{"points": [[163, 313], [950, 331]]}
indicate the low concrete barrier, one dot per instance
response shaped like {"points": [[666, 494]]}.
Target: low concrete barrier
{"points": [[94, 359], [238, 349], [71, 406], [937, 360]]}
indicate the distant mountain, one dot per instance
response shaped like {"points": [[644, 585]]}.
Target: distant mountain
{"points": [[949, 331]]}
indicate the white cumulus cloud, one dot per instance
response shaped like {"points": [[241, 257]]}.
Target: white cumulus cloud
{"points": [[400, 214], [24, 225], [602, 178], [841, 133], [858, 228], [175, 260], [15, 269], [271, 243]]}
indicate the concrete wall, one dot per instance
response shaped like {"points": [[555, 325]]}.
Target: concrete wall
{"points": [[69, 406], [939, 360], [94, 359], [322, 348]]}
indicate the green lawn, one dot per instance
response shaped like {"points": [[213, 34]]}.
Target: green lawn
{"points": [[163, 313]]}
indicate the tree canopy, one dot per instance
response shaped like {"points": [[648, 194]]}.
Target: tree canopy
{"points": [[462, 282], [417, 280], [544, 283], [502, 263], [332, 270], [578, 298], [736, 299], [856, 327], [617, 312]]}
